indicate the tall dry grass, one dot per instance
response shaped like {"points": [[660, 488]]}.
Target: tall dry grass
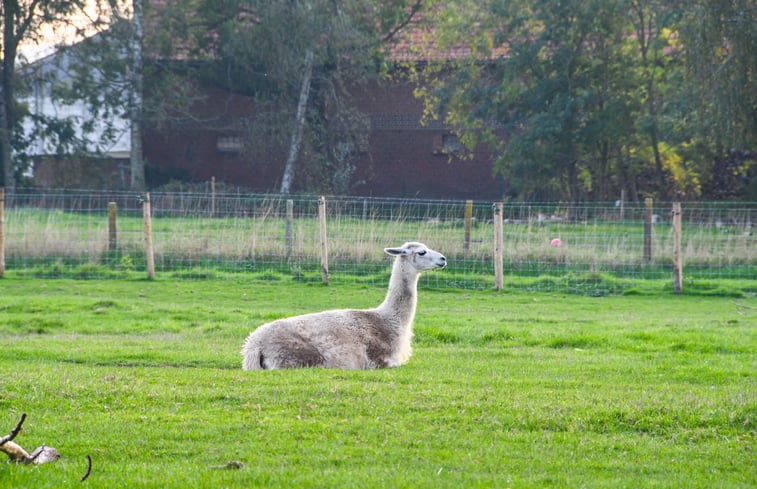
{"points": [[249, 232]]}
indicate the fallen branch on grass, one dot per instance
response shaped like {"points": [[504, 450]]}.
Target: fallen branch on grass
{"points": [[17, 454], [89, 469]]}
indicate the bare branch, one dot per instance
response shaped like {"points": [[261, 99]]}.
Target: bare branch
{"points": [[10, 436], [16, 452], [413, 10], [28, 20], [89, 469]]}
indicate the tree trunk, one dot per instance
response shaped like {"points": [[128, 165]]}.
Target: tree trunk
{"points": [[573, 186], [654, 134], [602, 185], [7, 116], [136, 161], [294, 146], [645, 29], [8, 180]]}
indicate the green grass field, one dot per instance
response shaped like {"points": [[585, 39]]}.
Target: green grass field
{"points": [[509, 389]]}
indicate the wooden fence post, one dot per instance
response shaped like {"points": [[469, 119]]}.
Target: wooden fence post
{"points": [[2, 231], [466, 226], [622, 205], [288, 239], [212, 196], [498, 258], [324, 244], [148, 237], [112, 231], [677, 259], [648, 204]]}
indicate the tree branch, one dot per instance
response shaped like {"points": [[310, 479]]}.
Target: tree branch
{"points": [[16, 452], [10, 436], [89, 469], [413, 10], [25, 23]]}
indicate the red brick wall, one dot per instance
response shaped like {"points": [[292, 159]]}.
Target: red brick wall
{"points": [[403, 158]]}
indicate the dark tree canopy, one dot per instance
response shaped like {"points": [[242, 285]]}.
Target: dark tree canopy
{"points": [[593, 97]]}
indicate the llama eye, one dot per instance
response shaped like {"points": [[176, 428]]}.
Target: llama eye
{"points": [[421, 253]]}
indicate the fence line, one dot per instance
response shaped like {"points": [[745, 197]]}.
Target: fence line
{"points": [[594, 248]]}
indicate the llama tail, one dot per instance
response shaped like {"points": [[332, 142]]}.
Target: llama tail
{"points": [[252, 356]]}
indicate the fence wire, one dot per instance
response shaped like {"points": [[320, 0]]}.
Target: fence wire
{"points": [[589, 248]]}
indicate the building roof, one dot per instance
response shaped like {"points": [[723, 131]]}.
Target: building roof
{"points": [[419, 41]]}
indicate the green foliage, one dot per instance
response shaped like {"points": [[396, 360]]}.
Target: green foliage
{"points": [[718, 40], [257, 48], [503, 389], [24, 22], [582, 99]]}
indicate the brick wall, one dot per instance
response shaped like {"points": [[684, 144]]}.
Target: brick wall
{"points": [[404, 158]]}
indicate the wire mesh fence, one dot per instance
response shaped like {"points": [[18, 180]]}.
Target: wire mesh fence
{"points": [[589, 248]]}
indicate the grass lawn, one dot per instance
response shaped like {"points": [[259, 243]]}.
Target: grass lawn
{"points": [[503, 390]]}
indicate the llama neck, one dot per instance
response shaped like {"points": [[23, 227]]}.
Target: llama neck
{"points": [[401, 299]]}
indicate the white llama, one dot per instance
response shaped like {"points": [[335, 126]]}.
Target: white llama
{"points": [[349, 338]]}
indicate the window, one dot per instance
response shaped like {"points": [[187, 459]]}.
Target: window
{"points": [[447, 144], [230, 144]]}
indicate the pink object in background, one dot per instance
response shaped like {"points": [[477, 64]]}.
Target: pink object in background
{"points": [[556, 242]]}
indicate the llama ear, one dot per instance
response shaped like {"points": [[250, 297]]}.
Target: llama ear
{"points": [[394, 251]]}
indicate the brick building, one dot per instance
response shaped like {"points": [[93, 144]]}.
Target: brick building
{"points": [[402, 157]]}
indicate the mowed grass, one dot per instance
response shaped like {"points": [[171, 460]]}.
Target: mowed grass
{"points": [[507, 389]]}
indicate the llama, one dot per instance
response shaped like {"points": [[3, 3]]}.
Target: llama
{"points": [[349, 338]]}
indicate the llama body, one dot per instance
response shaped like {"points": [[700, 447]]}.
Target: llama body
{"points": [[349, 338]]}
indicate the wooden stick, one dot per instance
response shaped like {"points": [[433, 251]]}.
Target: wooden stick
{"points": [[89, 469], [466, 227], [648, 204], [622, 204], [15, 431], [498, 252], [112, 231], [148, 237], [212, 196], [16, 452], [677, 259], [289, 238], [324, 243]]}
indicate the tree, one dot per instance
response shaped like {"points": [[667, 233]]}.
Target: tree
{"points": [[253, 48], [108, 73], [22, 22], [583, 99], [135, 81], [299, 123], [717, 43], [718, 40], [543, 86], [301, 60], [652, 22]]}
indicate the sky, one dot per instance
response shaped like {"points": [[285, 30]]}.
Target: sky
{"points": [[51, 35]]}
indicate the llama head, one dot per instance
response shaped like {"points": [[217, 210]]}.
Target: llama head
{"points": [[419, 256]]}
